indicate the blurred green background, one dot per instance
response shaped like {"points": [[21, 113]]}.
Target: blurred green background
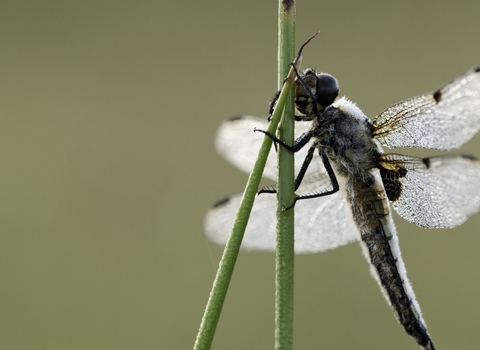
{"points": [[108, 114]]}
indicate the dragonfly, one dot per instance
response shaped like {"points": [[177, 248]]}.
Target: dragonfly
{"points": [[346, 184]]}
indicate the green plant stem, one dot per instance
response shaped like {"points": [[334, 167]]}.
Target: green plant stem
{"points": [[227, 263], [284, 277]]}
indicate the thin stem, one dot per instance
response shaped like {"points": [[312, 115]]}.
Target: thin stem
{"points": [[284, 278], [227, 263]]}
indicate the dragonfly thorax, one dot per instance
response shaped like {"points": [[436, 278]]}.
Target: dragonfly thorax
{"points": [[345, 134]]}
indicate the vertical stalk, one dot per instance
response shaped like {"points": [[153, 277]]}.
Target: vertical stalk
{"points": [[284, 278], [221, 283], [218, 293]]}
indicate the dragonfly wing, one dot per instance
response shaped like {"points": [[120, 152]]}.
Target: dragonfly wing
{"points": [[443, 120], [239, 144], [439, 192], [320, 224]]}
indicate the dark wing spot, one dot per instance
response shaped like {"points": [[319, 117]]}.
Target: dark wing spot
{"points": [[437, 95], [469, 157], [477, 69], [235, 118], [426, 161], [221, 202], [391, 182]]}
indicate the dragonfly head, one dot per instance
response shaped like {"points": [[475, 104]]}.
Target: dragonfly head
{"points": [[310, 86]]}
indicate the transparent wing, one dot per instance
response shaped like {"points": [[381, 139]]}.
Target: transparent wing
{"points": [[239, 144], [443, 120], [439, 192], [320, 224]]}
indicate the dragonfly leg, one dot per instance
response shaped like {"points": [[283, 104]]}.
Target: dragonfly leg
{"points": [[299, 143]]}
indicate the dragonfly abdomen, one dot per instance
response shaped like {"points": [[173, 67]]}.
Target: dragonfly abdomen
{"points": [[379, 241]]}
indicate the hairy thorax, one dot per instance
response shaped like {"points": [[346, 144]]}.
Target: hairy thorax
{"points": [[347, 140]]}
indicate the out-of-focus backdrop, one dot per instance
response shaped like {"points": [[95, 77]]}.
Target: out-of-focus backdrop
{"points": [[108, 113]]}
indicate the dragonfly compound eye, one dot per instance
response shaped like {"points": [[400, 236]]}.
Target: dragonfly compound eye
{"points": [[327, 89]]}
